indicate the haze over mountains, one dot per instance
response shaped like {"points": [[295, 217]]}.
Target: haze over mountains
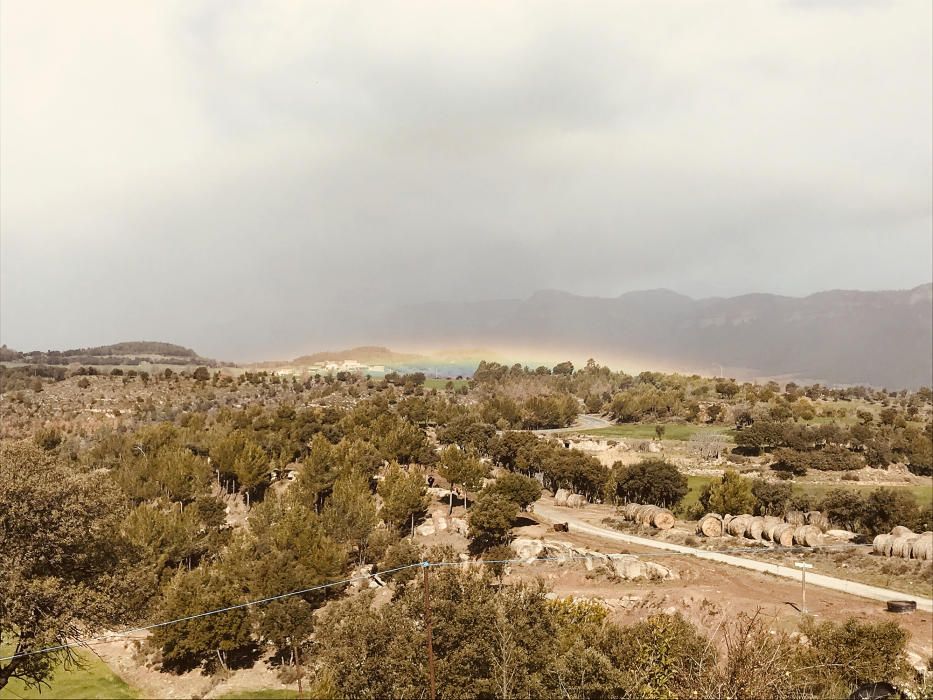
{"points": [[879, 338], [847, 337]]}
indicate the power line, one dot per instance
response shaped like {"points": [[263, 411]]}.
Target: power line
{"points": [[478, 562], [143, 628]]}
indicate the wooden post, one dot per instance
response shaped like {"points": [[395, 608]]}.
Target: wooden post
{"points": [[427, 625]]}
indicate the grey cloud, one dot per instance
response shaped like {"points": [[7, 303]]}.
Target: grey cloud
{"points": [[270, 174]]}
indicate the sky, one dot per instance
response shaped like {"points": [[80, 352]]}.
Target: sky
{"points": [[245, 177]]}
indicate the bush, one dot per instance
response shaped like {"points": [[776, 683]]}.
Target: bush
{"points": [[759, 436], [48, 438], [662, 656], [842, 656], [400, 554], [885, 508], [790, 462], [843, 507], [772, 498], [732, 494], [652, 481], [497, 557], [518, 488], [874, 513], [831, 458], [834, 458], [491, 520]]}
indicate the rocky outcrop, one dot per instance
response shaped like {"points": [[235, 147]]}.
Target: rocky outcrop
{"points": [[627, 566]]}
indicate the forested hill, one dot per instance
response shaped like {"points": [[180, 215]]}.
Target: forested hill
{"points": [[369, 354], [125, 353], [881, 338]]}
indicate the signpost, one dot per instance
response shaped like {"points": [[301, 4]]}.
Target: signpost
{"points": [[803, 566]]}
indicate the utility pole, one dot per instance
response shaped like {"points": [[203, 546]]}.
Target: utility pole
{"points": [[803, 566], [427, 624]]}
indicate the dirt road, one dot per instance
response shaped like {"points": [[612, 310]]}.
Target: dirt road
{"points": [[552, 513]]}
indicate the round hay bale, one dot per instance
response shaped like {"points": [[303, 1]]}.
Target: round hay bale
{"points": [[737, 525], [663, 519], [901, 531], [902, 546], [560, 497], [576, 500], [881, 545], [783, 535], [889, 546], [808, 536], [922, 548], [755, 528], [710, 525], [795, 517], [817, 519], [641, 513], [647, 515]]}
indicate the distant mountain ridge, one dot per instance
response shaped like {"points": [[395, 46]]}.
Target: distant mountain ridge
{"points": [[882, 338]]}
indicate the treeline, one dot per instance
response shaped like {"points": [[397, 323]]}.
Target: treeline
{"points": [[514, 641], [127, 353], [766, 417], [651, 396], [831, 447], [868, 512]]}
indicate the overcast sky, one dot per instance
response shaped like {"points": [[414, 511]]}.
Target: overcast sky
{"points": [[233, 176]]}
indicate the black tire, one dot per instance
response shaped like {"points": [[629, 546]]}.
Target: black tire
{"points": [[876, 691], [902, 606]]}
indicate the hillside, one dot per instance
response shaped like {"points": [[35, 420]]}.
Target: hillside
{"points": [[367, 354], [124, 353], [842, 337]]}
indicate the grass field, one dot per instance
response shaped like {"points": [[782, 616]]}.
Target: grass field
{"points": [[262, 695], [672, 431], [695, 485], [442, 383], [93, 680]]}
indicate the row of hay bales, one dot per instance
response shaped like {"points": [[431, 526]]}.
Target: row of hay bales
{"points": [[905, 543], [660, 518], [563, 497], [766, 528]]}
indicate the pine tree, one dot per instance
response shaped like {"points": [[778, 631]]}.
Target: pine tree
{"points": [[732, 494], [287, 549], [350, 513], [404, 496], [462, 467], [251, 467], [208, 640]]}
